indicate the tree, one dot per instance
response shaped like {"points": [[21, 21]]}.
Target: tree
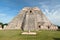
{"points": [[6, 24], [2, 25]]}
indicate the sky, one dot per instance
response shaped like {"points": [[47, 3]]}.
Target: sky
{"points": [[10, 8]]}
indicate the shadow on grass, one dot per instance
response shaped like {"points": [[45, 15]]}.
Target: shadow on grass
{"points": [[56, 38]]}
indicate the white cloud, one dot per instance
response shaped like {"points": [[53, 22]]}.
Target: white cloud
{"points": [[6, 14], [5, 18], [53, 14], [1, 14]]}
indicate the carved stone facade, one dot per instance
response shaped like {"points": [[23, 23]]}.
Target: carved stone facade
{"points": [[31, 19]]}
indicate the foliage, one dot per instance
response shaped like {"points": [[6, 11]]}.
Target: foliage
{"points": [[3, 24], [6, 24]]}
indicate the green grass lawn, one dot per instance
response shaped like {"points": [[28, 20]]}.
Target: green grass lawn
{"points": [[41, 35]]}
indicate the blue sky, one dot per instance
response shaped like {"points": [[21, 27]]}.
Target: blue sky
{"points": [[10, 8]]}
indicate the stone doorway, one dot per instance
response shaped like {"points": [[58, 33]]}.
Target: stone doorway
{"points": [[39, 26]]}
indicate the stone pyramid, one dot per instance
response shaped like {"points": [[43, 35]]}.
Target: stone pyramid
{"points": [[31, 19]]}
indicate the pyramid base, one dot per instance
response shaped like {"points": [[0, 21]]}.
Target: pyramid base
{"points": [[29, 33]]}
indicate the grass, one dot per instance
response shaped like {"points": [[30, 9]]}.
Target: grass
{"points": [[41, 35]]}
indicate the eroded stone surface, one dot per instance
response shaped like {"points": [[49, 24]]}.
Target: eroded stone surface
{"points": [[31, 19]]}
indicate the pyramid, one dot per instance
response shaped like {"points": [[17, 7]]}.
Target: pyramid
{"points": [[31, 19]]}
